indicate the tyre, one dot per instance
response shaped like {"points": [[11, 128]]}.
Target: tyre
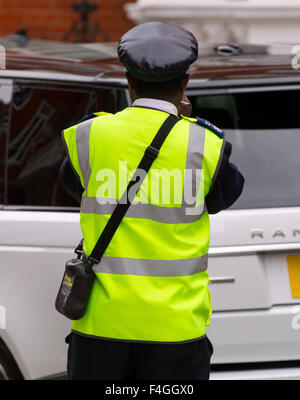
{"points": [[8, 367]]}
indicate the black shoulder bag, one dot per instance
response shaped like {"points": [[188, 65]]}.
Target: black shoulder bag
{"points": [[78, 279]]}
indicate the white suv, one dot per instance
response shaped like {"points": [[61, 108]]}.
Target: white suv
{"points": [[254, 261]]}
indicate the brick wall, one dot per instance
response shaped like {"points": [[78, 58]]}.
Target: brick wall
{"points": [[53, 19]]}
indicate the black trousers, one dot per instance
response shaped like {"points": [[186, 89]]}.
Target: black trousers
{"points": [[90, 358]]}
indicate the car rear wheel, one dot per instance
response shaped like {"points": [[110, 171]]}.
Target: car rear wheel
{"points": [[8, 367]]}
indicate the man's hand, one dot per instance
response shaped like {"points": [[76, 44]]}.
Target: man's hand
{"points": [[185, 107]]}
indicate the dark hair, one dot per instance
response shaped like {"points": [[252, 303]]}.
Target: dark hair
{"points": [[149, 89]]}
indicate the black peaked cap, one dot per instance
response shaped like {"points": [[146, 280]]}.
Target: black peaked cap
{"points": [[157, 52]]}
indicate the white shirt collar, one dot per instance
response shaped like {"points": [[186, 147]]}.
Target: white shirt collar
{"points": [[160, 105]]}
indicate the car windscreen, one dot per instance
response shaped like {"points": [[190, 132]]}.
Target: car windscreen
{"points": [[263, 127]]}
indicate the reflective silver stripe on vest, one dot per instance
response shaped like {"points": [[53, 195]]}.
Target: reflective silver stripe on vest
{"points": [[194, 161], [167, 215], [133, 266], [83, 132]]}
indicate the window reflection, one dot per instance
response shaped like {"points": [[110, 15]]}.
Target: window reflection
{"points": [[35, 150], [264, 129]]}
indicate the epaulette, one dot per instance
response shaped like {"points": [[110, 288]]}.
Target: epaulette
{"points": [[93, 115], [211, 127]]}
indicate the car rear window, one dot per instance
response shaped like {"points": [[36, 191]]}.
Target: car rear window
{"points": [[31, 150], [264, 130]]}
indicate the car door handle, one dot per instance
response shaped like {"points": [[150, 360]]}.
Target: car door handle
{"points": [[223, 279]]}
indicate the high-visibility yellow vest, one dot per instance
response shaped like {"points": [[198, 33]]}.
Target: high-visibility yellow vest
{"points": [[152, 282]]}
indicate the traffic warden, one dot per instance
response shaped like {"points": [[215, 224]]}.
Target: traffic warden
{"points": [[150, 303]]}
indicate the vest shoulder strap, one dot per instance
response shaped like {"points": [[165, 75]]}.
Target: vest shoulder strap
{"points": [[189, 119]]}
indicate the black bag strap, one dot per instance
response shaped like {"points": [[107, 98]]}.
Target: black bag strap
{"points": [[133, 187]]}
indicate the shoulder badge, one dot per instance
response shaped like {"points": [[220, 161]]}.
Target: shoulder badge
{"points": [[211, 127], [93, 115]]}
